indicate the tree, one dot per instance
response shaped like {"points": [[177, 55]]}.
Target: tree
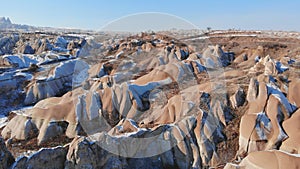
{"points": [[208, 29]]}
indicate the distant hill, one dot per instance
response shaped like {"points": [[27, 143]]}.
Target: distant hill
{"points": [[5, 23]]}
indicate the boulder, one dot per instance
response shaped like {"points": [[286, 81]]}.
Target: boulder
{"points": [[61, 42], [238, 98], [6, 158], [48, 158], [44, 46], [19, 61], [86, 154], [215, 57], [26, 49], [7, 44]]}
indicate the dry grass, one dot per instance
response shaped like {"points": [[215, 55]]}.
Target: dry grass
{"points": [[18, 148]]}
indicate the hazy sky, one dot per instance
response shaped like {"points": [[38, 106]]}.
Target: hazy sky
{"points": [[221, 14]]}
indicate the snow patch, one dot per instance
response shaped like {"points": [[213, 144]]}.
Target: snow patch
{"points": [[275, 91], [20, 61], [280, 67], [138, 91], [262, 122], [3, 121], [25, 75], [200, 67]]}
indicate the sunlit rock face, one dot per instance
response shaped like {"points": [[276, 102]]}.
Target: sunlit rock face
{"points": [[268, 109], [265, 159], [56, 82]]}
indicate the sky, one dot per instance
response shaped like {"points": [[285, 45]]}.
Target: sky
{"points": [[98, 15]]}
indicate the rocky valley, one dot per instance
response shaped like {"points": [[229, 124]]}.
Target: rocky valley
{"points": [[166, 99]]}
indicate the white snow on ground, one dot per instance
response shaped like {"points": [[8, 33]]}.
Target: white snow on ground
{"points": [[198, 38], [67, 68], [59, 49], [295, 155], [24, 61], [280, 96], [280, 67], [61, 42], [85, 36], [138, 90], [8, 81], [122, 76], [11, 76], [50, 57], [133, 123], [126, 65], [26, 75], [218, 36], [22, 110], [20, 61], [6, 76], [3, 120], [80, 73], [234, 35], [282, 135], [119, 54], [129, 134], [266, 122]]}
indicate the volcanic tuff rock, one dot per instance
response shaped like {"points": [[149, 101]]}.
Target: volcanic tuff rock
{"points": [[59, 80], [7, 43], [238, 99], [44, 158], [36, 66], [6, 157], [150, 101], [268, 160]]}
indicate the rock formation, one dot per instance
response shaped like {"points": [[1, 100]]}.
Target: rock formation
{"points": [[149, 101], [6, 157]]}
